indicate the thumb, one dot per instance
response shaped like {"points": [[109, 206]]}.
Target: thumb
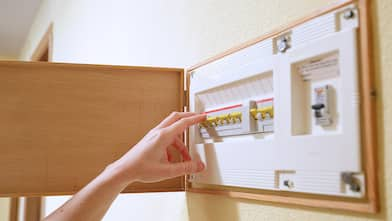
{"points": [[187, 167]]}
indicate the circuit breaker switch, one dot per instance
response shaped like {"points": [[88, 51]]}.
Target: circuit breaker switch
{"points": [[321, 106], [317, 109], [254, 113], [236, 116], [223, 119], [212, 121], [269, 111], [203, 124], [266, 110]]}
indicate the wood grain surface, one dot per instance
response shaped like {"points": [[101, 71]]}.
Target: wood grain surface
{"points": [[61, 124]]}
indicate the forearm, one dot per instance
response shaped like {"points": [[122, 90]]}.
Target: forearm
{"points": [[92, 202], [148, 161]]}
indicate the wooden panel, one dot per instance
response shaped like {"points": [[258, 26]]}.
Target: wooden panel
{"points": [[368, 124], [14, 207], [368, 111], [61, 124], [33, 209]]}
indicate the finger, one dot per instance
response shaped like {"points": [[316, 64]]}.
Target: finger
{"points": [[180, 126], [182, 168], [173, 117], [180, 146], [169, 156]]}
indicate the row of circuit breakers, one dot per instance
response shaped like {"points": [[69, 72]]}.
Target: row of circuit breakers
{"points": [[252, 117], [257, 116]]}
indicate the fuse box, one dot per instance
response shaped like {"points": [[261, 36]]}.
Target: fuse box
{"points": [[283, 114]]}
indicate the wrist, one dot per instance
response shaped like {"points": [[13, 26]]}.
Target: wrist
{"points": [[120, 174]]}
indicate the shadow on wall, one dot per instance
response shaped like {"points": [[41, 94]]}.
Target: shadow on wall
{"points": [[212, 208], [203, 207]]}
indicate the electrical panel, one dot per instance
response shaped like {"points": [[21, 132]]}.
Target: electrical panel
{"points": [[253, 115], [283, 114]]}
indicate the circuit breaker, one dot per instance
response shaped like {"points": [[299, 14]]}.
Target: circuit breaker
{"points": [[250, 117], [321, 106], [283, 114]]}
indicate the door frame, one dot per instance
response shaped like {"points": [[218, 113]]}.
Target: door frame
{"points": [[44, 49]]}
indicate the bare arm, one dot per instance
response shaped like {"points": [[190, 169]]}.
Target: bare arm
{"points": [[148, 161]]}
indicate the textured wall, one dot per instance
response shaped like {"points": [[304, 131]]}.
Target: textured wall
{"points": [[181, 33], [8, 58], [4, 209]]}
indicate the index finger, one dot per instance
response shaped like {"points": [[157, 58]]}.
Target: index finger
{"points": [[181, 125], [173, 117]]}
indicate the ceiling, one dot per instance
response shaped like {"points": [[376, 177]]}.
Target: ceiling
{"points": [[16, 17]]}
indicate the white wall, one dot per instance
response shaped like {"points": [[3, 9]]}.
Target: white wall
{"points": [[172, 33], [121, 32], [148, 206], [181, 33]]}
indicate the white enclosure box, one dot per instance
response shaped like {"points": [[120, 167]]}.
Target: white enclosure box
{"points": [[283, 114]]}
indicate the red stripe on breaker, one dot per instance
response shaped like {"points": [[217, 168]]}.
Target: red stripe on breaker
{"points": [[237, 105], [223, 108], [265, 100]]}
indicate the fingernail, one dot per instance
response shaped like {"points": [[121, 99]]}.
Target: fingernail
{"points": [[200, 165]]}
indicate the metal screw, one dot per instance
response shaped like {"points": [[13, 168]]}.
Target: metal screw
{"points": [[349, 179], [283, 44], [288, 183], [349, 14], [355, 187]]}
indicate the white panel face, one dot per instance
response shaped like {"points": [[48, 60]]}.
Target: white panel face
{"points": [[283, 114]]}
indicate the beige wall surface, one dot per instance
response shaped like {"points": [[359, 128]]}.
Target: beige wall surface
{"points": [[7, 58], [181, 33], [4, 209]]}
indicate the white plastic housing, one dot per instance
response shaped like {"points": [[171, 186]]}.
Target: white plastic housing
{"points": [[296, 154]]}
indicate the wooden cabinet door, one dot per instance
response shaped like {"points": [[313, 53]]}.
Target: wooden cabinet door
{"points": [[61, 124]]}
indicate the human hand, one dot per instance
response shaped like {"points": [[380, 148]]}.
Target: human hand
{"points": [[151, 159]]}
